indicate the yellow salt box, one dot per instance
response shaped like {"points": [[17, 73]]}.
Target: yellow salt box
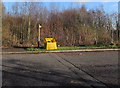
{"points": [[50, 44]]}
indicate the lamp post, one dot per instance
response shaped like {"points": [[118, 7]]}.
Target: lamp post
{"points": [[39, 35]]}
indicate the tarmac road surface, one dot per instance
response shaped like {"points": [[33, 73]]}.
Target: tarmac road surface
{"points": [[91, 69]]}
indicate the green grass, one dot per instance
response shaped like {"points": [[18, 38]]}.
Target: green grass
{"points": [[35, 49], [76, 48]]}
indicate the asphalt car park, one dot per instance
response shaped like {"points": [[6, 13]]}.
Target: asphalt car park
{"points": [[91, 69]]}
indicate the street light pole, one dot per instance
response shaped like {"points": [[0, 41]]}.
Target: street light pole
{"points": [[39, 35]]}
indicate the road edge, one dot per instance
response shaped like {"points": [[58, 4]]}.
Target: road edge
{"points": [[61, 51]]}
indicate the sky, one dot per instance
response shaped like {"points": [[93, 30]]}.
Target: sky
{"points": [[62, 0], [109, 6]]}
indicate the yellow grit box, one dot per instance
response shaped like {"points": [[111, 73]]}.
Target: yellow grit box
{"points": [[50, 44]]}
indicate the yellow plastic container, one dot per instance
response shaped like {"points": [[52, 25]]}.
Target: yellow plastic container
{"points": [[50, 44]]}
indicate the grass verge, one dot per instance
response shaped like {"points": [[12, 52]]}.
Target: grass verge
{"points": [[79, 47]]}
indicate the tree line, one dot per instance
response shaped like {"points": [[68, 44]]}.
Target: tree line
{"points": [[70, 27]]}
